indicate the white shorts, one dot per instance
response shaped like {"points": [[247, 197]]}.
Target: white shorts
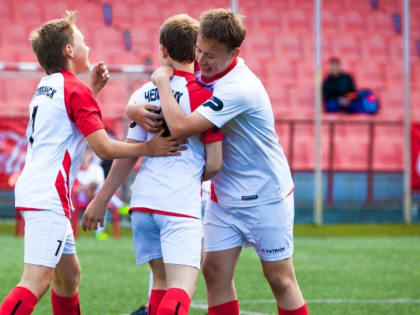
{"points": [[175, 239], [268, 228], [48, 235]]}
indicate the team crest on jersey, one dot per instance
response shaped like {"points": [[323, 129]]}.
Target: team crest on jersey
{"points": [[214, 103]]}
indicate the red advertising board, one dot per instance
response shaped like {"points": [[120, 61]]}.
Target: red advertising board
{"points": [[12, 150], [415, 156]]}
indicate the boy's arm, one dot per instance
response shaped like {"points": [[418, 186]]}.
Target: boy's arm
{"points": [[214, 159], [95, 212], [108, 149], [179, 124]]}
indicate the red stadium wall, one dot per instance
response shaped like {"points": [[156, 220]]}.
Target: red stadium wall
{"points": [[279, 47]]}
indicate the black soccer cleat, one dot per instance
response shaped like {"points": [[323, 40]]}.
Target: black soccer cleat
{"points": [[141, 311]]}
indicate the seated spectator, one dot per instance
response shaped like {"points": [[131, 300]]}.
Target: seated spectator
{"points": [[340, 94], [338, 89]]}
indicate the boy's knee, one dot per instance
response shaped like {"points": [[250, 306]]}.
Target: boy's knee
{"points": [[215, 275], [280, 283], [70, 281]]}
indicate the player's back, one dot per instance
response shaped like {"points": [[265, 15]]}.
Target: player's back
{"points": [[171, 184], [55, 146]]}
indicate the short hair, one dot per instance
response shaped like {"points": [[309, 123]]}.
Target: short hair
{"points": [[224, 26], [179, 36], [49, 40], [334, 59]]}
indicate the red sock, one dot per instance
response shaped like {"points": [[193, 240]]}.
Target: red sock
{"points": [[156, 297], [20, 301], [231, 308], [175, 302], [62, 305], [299, 311]]}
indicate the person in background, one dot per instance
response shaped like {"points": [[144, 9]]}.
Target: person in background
{"points": [[339, 91]]}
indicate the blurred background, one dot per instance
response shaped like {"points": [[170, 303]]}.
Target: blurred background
{"points": [[366, 169]]}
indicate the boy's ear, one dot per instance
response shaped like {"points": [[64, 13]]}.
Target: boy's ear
{"points": [[68, 51], [164, 51], [236, 52]]}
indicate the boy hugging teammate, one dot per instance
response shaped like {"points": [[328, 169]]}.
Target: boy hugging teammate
{"points": [[166, 194]]}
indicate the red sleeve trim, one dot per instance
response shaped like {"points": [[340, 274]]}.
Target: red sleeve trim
{"points": [[173, 214], [198, 95], [81, 107], [212, 135]]}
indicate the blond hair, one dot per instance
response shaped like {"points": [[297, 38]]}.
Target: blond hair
{"points": [[49, 40]]}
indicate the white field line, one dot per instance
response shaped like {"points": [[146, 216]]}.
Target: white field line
{"points": [[201, 304], [331, 301]]}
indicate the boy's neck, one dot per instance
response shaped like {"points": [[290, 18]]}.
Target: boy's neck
{"points": [[70, 68], [186, 67]]}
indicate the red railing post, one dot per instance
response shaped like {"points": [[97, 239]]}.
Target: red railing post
{"points": [[331, 148], [369, 182]]}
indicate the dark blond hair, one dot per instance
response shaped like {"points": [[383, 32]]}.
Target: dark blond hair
{"points": [[179, 36], [49, 40], [224, 26]]}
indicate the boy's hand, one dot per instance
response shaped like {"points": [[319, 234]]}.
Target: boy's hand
{"points": [[166, 146], [146, 116], [94, 215], [98, 78], [162, 74]]}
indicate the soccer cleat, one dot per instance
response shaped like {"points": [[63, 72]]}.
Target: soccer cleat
{"points": [[141, 311], [101, 236], [124, 210]]}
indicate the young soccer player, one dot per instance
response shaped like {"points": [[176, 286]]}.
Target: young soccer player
{"points": [[63, 113], [254, 189], [166, 201]]}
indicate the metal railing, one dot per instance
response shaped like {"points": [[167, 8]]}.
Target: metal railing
{"points": [[330, 169]]}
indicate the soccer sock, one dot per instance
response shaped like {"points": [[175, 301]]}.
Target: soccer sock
{"points": [[62, 305], [231, 308], [175, 302], [299, 311], [20, 301], [155, 298]]}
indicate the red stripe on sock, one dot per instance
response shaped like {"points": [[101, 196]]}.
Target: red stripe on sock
{"points": [[299, 311], [175, 302], [156, 297], [231, 308], [62, 305]]}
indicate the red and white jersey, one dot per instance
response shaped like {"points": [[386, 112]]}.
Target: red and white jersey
{"points": [[62, 112], [172, 185], [255, 169]]}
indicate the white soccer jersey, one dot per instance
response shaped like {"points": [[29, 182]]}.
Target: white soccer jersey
{"points": [[62, 112], [93, 174], [255, 170], [172, 185]]}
